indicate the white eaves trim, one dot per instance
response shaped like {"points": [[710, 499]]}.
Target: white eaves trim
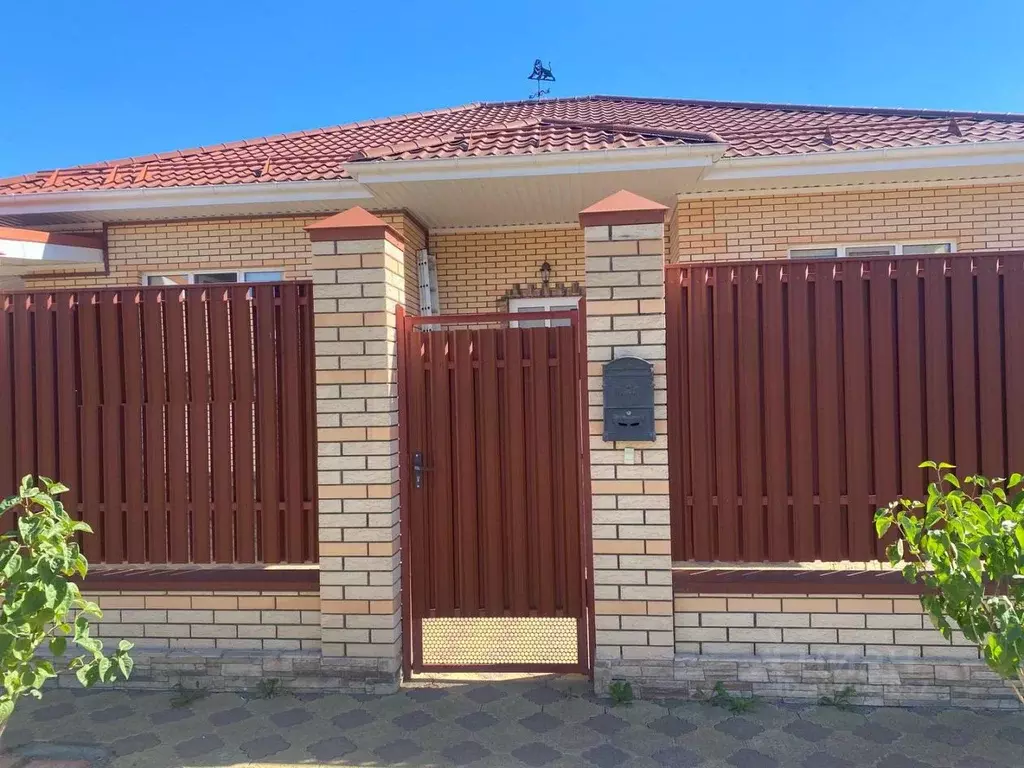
{"points": [[212, 196], [864, 161], [546, 164]]}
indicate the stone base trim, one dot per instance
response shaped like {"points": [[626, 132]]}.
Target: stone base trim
{"points": [[880, 683], [243, 670]]}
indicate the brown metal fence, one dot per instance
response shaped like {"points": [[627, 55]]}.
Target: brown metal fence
{"points": [[181, 418], [804, 394]]}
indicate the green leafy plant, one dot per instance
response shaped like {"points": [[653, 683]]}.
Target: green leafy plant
{"points": [[621, 692], [268, 688], [841, 699], [185, 696], [720, 696], [39, 557], [965, 545]]}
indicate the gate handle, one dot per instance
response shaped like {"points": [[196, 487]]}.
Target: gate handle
{"points": [[418, 469]]}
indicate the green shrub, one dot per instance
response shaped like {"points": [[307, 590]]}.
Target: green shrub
{"points": [[41, 604], [965, 545]]}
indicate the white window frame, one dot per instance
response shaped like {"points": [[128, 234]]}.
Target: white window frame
{"points": [[239, 274], [542, 304], [842, 248]]}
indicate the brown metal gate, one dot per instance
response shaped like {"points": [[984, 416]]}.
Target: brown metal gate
{"points": [[494, 530]]}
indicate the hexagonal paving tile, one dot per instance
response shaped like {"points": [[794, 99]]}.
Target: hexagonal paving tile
{"points": [[536, 754], [825, 760], [411, 721], [465, 752], [606, 756], [677, 757], [331, 749], [808, 731], [352, 719], [398, 751], [900, 761], [751, 758], [138, 742], [198, 746], [291, 717], [876, 733], [229, 716], [540, 722], [264, 746], [670, 725], [1011, 734], [117, 712], [423, 695], [606, 723], [740, 727], [484, 694], [170, 715], [543, 695], [476, 721]]}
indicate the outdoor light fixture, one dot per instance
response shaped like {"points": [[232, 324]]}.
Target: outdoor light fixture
{"points": [[545, 273]]}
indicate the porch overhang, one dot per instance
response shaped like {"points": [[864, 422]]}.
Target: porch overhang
{"points": [[23, 251], [530, 189]]}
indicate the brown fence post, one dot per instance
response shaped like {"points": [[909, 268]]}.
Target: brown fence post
{"points": [[625, 291], [359, 281]]}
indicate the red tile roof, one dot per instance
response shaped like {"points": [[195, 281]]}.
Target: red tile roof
{"points": [[522, 127]]}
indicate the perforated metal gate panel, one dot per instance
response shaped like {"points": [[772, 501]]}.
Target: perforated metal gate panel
{"points": [[451, 642]]}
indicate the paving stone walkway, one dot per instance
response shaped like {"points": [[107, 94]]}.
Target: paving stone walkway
{"points": [[535, 723]]}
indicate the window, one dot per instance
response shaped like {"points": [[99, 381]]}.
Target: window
{"points": [[869, 251], [208, 278], [543, 304]]}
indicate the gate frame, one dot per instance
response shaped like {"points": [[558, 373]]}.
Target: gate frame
{"points": [[586, 642]]}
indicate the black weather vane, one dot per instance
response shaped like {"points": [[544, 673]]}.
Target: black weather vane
{"points": [[541, 74]]}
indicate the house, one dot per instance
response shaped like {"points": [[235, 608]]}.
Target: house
{"points": [[357, 238]]}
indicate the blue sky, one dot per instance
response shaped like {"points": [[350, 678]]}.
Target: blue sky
{"points": [[89, 81]]}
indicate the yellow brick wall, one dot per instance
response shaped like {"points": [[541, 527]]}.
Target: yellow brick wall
{"points": [[475, 269], [279, 243], [975, 218], [270, 621]]}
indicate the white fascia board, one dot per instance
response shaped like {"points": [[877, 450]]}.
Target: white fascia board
{"points": [[948, 157], [549, 164], [206, 196]]}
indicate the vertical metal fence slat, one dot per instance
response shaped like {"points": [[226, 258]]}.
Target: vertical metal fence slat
{"points": [[44, 363], [66, 383], [491, 523], [91, 452], [723, 391], [465, 509], [441, 512], [136, 514], [938, 408], [243, 407], [857, 385], [199, 423], [222, 468], [965, 403], [801, 413], [24, 390], [990, 368], [267, 397], [291, 421], [1013, 324], [678, 451], [156, 427], [749, 381], [698, 340], [780, 547], [826, 353], [515, 436]]}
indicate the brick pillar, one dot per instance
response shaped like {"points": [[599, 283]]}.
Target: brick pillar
{"points": [[358, 281], [625, 290]]}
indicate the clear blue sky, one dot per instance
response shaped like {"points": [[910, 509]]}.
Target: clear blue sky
{"points": [[89, 81]]}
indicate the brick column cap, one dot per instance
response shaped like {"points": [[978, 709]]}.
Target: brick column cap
{"points": [[354, 224], [623, 207]]}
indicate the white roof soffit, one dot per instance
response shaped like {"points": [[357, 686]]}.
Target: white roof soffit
{"points": [[184, 202], [26, 250], [530, 189]]}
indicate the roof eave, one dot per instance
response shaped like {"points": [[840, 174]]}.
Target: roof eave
{"points": [[200, 196]]}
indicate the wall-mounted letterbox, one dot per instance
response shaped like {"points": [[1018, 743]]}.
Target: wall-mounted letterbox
{"points": [[628, 399]]}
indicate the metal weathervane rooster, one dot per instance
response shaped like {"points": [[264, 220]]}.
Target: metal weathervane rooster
{"points": [[541, 74]]}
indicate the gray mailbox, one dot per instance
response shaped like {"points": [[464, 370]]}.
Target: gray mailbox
{"points": [[628, 399]]}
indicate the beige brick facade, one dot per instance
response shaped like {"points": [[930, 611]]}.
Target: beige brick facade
{"points": [[226, 621], [725, 228], [625, 290], [357, 287], [476, 269], [270, 243]]}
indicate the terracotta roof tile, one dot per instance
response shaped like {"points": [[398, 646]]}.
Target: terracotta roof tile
{"points": [[532, 127]]}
